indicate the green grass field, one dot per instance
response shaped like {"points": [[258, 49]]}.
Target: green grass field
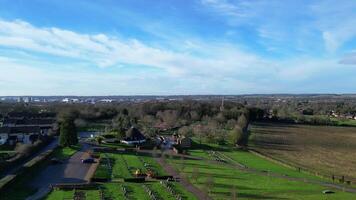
{"points": [[253, 161], [65, 152], [134, 162], [69, 194], [250, 185], [344, 122], [60, 194], [114, 191]]}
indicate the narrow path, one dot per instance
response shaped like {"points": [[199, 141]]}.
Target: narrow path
{"points": [[186, 184]]}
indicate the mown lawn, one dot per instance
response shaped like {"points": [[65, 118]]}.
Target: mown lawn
{"points": [[65, 152], [134, 162], [253, 161], [60, 194], [220, 179], [344, 122], [69, 194], [250, 160], [114, 191]]}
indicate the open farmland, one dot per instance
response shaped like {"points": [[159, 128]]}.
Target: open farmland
{"points": [[323, 149]]}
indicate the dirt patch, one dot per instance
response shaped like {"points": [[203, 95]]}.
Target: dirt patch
{"points": [[329, 150]]}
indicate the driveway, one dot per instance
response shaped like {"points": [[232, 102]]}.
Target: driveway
{"points": [[71, 171]]}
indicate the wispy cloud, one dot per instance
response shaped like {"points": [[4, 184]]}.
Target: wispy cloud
{"points": [[292, 23], [104, 51], [100, 64]]}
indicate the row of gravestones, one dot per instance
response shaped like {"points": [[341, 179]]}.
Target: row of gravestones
{"points": [[108, 163], [125, 191], [79, 195], [169, 187], [150, 193], [102, 196], [216, 157], [126, 165], [146, 165]]}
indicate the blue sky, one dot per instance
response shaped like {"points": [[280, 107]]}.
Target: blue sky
{"points": [[165, 47]]}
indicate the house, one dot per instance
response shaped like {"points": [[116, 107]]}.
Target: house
{"points": [[134, 136], [9, 122], [184, 142], [46, 124], [24, 134], [1, 120], [29, 115]]}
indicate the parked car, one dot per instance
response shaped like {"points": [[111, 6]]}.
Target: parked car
{"points": [[88, 160]]}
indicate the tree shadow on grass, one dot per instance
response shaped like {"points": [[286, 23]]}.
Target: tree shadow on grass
{"points": [[227, 195], [197, 146], [220, 176], [258, 196]]}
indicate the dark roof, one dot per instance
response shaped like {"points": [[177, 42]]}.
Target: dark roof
{"points": [[20, 129], [35, 121], [20, 115], [133, 134], [26, 121], [10, 121]]}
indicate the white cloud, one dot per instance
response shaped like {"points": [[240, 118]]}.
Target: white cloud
{"points": [[200, 68], [336, 21], [104, 51], [292, 23]]}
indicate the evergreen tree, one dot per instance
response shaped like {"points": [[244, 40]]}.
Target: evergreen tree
{"points": [[68, 132]]}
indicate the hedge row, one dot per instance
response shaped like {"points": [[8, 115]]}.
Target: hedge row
{"points": [[27, 167], [6, 180], [4, 166]]}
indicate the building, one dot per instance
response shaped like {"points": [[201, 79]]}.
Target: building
{"points": [[184, 142], [26, 127], [23, 134], [46, 125], [134, 136]]}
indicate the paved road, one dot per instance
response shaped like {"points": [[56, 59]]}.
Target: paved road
{"points": [[53, 144], [71, 171]]}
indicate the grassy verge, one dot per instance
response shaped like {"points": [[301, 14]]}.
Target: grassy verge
{"points": [[60, 194], [65, 152], [21, 187]]}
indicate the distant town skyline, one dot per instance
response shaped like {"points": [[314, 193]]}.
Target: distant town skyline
{"points": [[182, 47]]}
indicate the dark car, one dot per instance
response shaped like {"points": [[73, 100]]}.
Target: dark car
{"points": [[88, 160], [55, 161]]}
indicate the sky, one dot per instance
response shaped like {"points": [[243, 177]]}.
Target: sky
{"points": [[168, 47]]}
